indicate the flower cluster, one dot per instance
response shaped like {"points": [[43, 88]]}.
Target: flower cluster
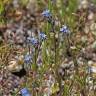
{"points": [[64, 29], [42, 36], [27, 59], [46, 13], [32, 40], [25, 92]]}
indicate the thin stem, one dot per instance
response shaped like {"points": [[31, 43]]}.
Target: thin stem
{"points": [[35, 61], [53, 30], [73, 55]]}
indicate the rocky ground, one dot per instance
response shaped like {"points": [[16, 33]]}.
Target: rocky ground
{"points": [[27, 21]]}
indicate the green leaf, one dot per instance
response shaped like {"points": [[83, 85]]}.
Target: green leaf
{"points": [[1, 8], [55, 88]]}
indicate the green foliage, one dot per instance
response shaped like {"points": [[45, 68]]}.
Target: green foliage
{"points": [[94, 1], [1, 8], [24, 2], [1, 12]]}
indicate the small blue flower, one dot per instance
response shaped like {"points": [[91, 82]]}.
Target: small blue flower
{"points": [[32, 40], [46, 13], [64, 29], [42, 36], [25, 92], [27, 59]]}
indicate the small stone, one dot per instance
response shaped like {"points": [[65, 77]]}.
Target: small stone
{"points": [[94, 45], [91, 16], [84, 39], [13, 66], [90, 63], [83, 4]]}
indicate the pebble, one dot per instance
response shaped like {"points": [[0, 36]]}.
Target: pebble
{"points": [[90, 63], [94, 45], [8, 82], [91, 16], [83, 4]]}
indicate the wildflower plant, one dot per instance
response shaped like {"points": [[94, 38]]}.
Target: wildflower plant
{"points": [[46, 13], [25, 92], [47, 52], [64, 29], [27, 59], [32, 41], [48, 16], [42, 36]]}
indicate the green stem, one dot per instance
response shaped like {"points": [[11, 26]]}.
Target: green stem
{"points": [[73, 55]]}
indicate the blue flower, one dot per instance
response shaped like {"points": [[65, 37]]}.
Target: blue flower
{"points": [[25, 92], [42, 36], [46, 13], [27, 59], [64, 29], [32, 40]]}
